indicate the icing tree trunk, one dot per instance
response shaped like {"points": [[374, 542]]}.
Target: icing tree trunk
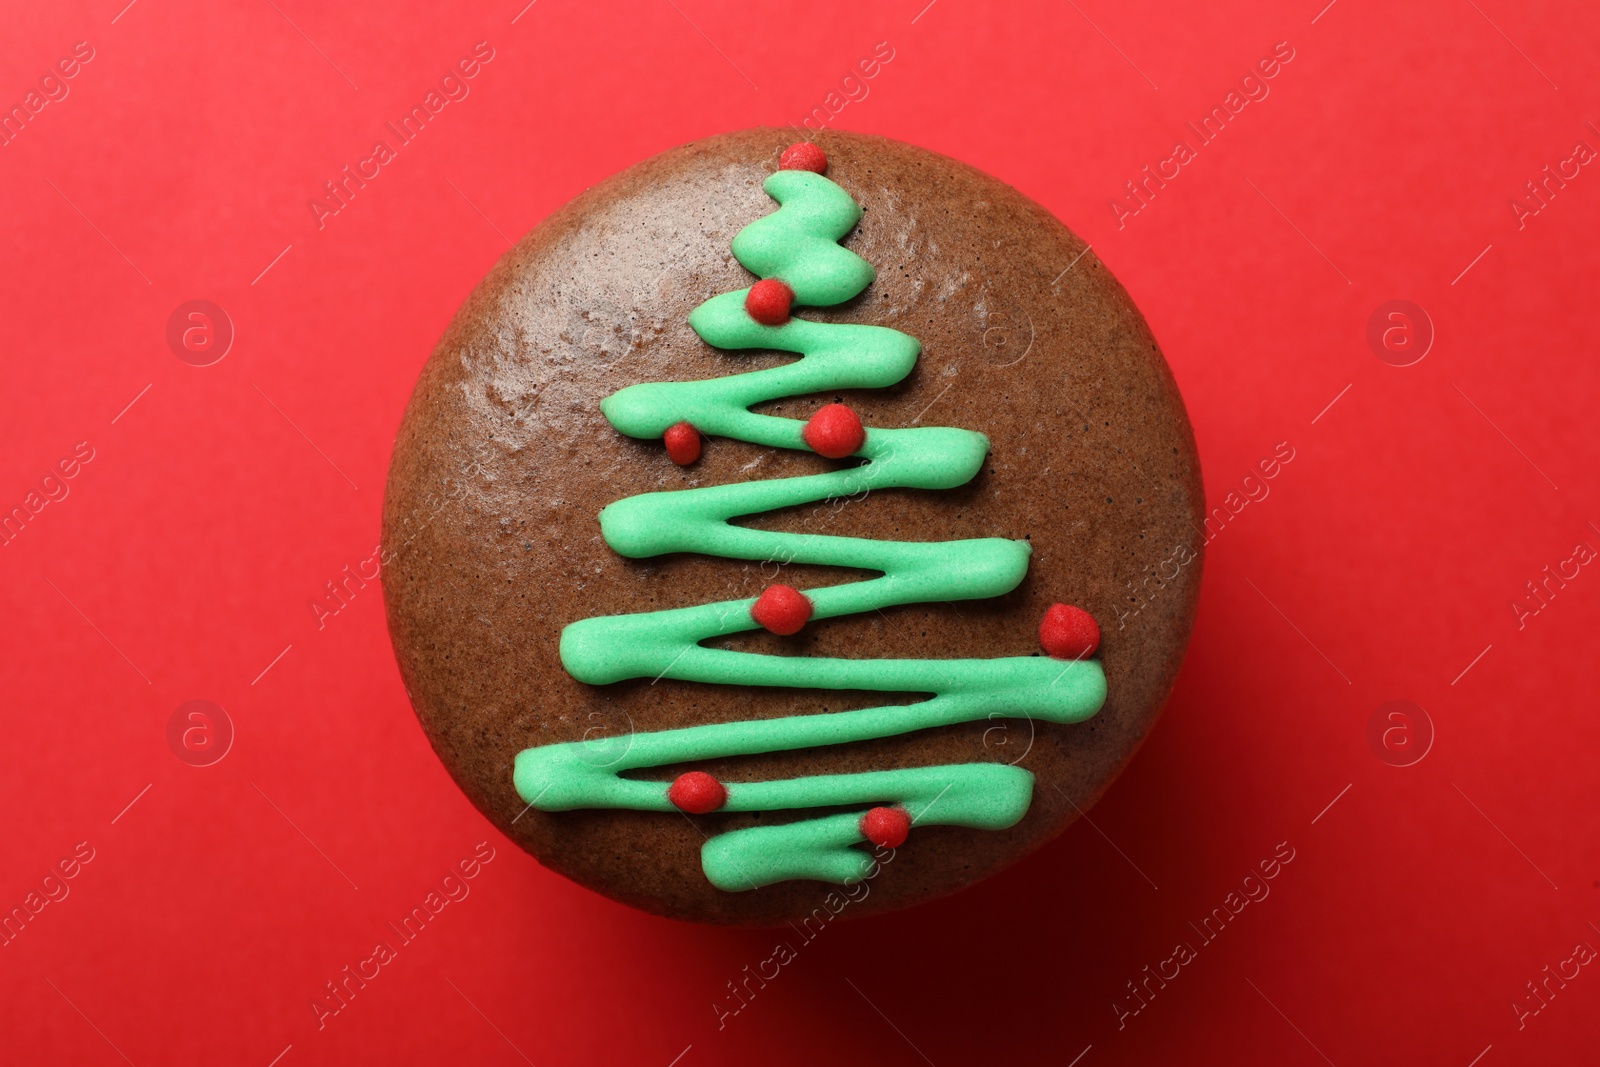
{"points": [[796, 253]]}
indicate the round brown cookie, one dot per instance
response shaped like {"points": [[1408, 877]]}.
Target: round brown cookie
{"points": [[504, 460]]}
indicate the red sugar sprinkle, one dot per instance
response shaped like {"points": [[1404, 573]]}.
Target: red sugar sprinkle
{"points": [[886, 827], [768, 302], [803, 155], [781, 609], [683, 443], [834, 431], [697, 793], [1067, 632]]}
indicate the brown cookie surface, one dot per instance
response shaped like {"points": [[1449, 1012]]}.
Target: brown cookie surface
{"points": [[503, 461]]}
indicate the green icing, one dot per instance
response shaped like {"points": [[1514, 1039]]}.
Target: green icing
{"points": [[798, 244]]}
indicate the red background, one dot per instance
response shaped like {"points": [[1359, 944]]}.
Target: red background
{"points": [[1417, 506]]}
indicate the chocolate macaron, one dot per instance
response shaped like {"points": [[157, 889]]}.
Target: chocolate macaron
{"points": [[786, 524]]}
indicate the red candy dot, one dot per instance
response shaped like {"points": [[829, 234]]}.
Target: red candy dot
{"points": [[834, 431], [683, 443], [1067, 632], [768, 302], [886, 827], [781, 609], [803, 156], [697, 793]]}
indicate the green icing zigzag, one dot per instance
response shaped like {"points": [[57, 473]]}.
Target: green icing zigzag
{"points": [[798, 244]]}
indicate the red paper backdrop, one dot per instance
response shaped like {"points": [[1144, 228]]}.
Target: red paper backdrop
{"points": [[1382, 565]]}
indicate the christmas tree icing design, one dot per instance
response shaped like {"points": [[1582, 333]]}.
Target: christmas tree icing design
{"points": [[795, 251]]}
